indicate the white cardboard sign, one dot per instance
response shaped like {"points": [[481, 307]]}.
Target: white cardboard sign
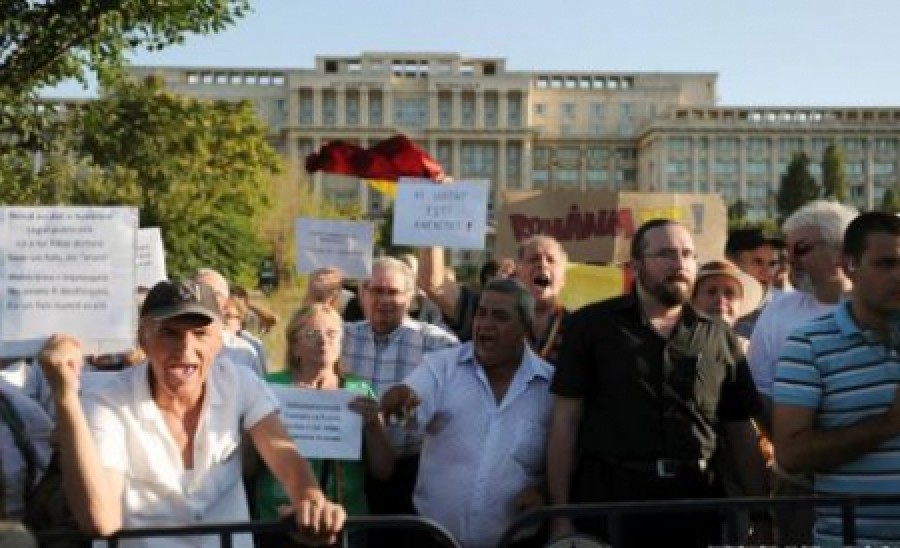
{"points": [[451, 215], [320, 423], [150, 258], [69, 270], [347, 245]]}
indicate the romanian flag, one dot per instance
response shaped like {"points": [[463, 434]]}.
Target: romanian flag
{"points": [[381, 165]]}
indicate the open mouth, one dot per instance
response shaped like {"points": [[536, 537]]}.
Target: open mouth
{"points": [[542, 280], [181, 373]]}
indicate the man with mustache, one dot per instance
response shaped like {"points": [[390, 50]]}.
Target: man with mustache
{"points": [[541, 267], [644, 387]]}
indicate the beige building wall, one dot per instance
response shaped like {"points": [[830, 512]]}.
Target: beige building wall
{"points": [[546, 130]]}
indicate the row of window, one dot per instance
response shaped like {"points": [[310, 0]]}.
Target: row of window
{"points": [[543, 156], [732, 167], [763, 145], [584, 82], [243, 78]]}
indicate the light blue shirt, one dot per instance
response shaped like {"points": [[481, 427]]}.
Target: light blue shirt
{"points": [[847, 375]]}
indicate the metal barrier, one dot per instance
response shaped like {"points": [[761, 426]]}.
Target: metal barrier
{"points": [[614, 512], [225, 531]]}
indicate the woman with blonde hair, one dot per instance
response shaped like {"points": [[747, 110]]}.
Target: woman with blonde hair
{"points": [[312, 356]]}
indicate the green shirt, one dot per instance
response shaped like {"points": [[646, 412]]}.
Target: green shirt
{"points": [[269, 493]]}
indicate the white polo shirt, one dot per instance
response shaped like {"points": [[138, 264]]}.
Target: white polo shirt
{"points": [[132, 438], [478, 454]]}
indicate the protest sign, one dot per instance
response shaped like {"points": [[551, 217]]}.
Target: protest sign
{"points": [[450, 215], [586, 283], [320, 423], [344, 244], [596, 226], [70, 270], [150, 258]]}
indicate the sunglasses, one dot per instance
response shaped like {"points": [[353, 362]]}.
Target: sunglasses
{"points": [[801, 249]]}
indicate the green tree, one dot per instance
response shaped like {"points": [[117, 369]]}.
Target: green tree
{"points": [[44, 43], [385, 236], [797, 187], [201, 171], [890, 201], [833, 182], [737, 212]]}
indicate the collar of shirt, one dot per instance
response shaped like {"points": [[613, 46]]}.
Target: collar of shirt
{"points": [[530, 368]]}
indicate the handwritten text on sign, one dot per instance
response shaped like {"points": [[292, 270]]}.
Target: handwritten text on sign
{"points": [[151, 258], [347, 245], [320, 423], [67, 269], [452, 215]]}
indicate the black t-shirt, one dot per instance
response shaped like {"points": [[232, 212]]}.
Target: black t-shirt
{"points": [[646, 397]]}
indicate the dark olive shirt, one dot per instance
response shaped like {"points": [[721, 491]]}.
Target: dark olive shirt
{"points": [[646, 397]]}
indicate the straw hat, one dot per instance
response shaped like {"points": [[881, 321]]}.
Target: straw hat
{"points": [[752, 289]]}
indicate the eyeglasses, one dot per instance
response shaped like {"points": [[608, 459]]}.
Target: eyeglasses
{"points": [[313, 336], [672, 254], [801, 249]]}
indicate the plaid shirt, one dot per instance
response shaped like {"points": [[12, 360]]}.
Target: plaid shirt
{"points": [[386, 360]]}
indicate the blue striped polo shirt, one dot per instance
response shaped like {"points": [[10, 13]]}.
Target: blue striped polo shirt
{"points": [[847, 375]]}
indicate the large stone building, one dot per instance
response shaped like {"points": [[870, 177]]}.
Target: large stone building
{"points": [[545, 130]]}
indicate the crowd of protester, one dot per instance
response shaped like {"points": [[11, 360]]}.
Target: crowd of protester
{"points": [[769, 371]]}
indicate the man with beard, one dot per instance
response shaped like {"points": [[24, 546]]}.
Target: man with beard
{"points": [[814, 235], [541, 267], [644, 387]]}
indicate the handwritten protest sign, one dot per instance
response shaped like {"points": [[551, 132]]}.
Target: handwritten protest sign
{"points": [[150, 258], [320, 423], [452, 215], [67, 269], [596, 226], [345, 244]]}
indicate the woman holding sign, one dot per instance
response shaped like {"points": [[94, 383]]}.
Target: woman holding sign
{"points": [[313, 350]]}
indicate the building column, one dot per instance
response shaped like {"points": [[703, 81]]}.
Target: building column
{"points": [[318, 190], [501, 183], [433, 108], [456, 161], [456, 100], [742, 171], [503, 109], [525, 169], [317, 108], [340, 105], [695, 161], [293, 113], [363, 106], [387, 108], [479, 109], [869, 173]]}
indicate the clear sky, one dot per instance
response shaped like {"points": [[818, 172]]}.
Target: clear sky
{"points": [[766, 52]]}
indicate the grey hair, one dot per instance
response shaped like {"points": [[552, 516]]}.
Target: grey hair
{"points": [[542, 238], [391, 264], [830, 218], [524, 299], [214, 274]]}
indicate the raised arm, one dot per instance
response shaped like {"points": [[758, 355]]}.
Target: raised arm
{"points": [[94, 492], [433, 280], [317, 519]]}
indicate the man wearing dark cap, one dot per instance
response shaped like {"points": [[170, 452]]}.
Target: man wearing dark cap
{"points": [[757, 255], [159, 444]]}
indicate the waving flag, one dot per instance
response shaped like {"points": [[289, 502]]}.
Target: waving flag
{"points": [[381, 165]]}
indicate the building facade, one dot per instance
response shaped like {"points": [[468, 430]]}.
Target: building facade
{"points": [[545, 130]]}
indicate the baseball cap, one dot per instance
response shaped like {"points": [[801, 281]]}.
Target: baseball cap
{"points": [[751, 288], [168, 299], [747, 239]]}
